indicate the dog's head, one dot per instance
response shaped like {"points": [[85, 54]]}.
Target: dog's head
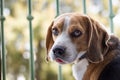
{"points": [[72, 35]]}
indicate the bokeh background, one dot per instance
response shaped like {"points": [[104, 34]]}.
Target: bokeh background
{"points": [[44, 11]]}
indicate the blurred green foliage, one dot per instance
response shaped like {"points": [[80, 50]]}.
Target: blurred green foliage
{"points": [[17, 35]]}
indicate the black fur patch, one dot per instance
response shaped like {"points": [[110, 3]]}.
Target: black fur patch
{"points": [[111, 71]]}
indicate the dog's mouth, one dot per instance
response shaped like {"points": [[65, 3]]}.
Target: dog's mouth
{"points": [[60, 61], [63, 59]]}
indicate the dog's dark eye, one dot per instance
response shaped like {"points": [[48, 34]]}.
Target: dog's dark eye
{"points": [[55, 31], [76, 33]]}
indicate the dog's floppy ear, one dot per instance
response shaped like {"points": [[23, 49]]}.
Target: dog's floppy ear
{"points": [[97, 42], [49, 40]]}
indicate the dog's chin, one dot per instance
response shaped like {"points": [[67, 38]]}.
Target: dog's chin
{"points": [[60, 61], [63, 61]]}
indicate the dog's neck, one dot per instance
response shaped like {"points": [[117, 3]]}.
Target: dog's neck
{"points": [[79, 69]]}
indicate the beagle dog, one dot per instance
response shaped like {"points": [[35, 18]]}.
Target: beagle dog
{"points": [[78, 39]]}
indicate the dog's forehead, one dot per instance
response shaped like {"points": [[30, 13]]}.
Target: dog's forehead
{"points": [[66, 20], [62, 22], [69, 21]]}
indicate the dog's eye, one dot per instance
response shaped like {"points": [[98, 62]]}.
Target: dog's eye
{"points": [[55, 31], [76, 33]]}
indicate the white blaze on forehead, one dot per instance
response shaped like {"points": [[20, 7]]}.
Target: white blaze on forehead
{"points": [[64, 35], [66, 22]]}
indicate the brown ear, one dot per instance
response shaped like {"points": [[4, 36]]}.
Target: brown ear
{"points": [[49, 40], [97, 44]]}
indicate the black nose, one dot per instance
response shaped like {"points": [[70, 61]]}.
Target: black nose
{"points": [[59, 50]]}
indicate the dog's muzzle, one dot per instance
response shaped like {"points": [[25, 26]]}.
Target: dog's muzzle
{"points": [[59, 52]]}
